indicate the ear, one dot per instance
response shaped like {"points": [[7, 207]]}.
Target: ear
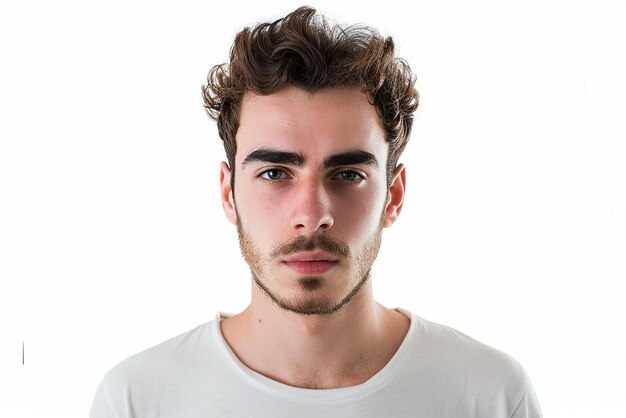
{"points": [[228, 201], [395, 196]]}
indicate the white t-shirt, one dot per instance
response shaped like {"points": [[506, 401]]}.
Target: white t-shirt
{"points": [[437, 372]]}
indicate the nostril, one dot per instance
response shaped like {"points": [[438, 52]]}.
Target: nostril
{"points": [[308, 223]]}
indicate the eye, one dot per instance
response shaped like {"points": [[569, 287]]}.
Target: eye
{"points": [[273, 174], [350, 176]]}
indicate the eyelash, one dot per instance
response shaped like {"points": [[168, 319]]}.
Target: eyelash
{"points": [[359, 177], [261, 174]]}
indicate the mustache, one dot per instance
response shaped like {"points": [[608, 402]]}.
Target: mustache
{"points": [[314, 242]]}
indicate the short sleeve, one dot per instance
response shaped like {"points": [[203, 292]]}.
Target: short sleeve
{"points": [[528, 406]]}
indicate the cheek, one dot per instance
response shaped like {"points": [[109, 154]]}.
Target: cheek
{"points": [[359, 216], [258, 210]]}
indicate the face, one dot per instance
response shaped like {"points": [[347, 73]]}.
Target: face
{"points": [[311, 195]]}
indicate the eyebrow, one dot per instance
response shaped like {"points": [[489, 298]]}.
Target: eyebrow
{"points": [[355, 157], [274, 156], [269, 155]]}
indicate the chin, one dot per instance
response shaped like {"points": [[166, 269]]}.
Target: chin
{"points": [[311, 297]]}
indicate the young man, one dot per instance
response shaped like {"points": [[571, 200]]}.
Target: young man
{"points": [[314, 119]]}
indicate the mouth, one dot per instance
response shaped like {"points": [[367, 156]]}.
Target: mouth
{"points": [[311, 263]]}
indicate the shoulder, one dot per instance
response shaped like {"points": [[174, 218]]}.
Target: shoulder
{"points": [[447, 347], [455, 364], [179, 351], [151, 372]]}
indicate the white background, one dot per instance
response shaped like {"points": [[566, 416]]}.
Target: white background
{"points": [[112, 233]]}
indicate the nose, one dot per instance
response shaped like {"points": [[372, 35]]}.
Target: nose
{"points": [[311, 207]]}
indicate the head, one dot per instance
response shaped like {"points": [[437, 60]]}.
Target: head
{"points": [[304, 50], [313, 120]]}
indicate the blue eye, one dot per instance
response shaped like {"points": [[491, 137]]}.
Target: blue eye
{"points": [[272, 174], [350, 176]]}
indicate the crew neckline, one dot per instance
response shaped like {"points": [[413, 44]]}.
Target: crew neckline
{"points": [[303, 394]]}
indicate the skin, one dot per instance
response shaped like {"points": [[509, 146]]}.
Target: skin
{"points": [[310, 202]]}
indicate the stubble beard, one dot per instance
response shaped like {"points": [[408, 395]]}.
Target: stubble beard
{"points": [[305, 303]]}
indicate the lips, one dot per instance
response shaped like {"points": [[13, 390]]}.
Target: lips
{"points": [[311, 267], [311, 263]]}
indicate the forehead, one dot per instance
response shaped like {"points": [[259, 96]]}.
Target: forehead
{"points": [[319, 123]]}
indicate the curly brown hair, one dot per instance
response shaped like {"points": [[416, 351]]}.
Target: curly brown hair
{"points": [[303, 50]]}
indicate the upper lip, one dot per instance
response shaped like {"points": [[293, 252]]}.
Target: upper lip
{"points": [[311, 256]]}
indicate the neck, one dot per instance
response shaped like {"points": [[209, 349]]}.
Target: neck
{"points": [[316, 351]]}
